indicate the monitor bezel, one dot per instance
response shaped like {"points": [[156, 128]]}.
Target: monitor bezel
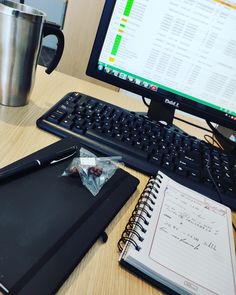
{"points": [[161, 96]]}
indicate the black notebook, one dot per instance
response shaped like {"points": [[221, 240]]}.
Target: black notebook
{"points": [[180, 241], [48, 223]]}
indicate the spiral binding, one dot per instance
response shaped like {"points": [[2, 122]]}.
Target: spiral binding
{"points": [[139, 220]]}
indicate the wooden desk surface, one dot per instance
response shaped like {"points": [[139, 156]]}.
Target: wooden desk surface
{"points": [[99, 272]]}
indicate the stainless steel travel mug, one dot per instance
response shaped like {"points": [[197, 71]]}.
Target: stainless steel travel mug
{"points": [[21, 31]]}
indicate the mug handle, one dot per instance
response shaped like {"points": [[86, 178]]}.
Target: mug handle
{"points": [[54, 29]]}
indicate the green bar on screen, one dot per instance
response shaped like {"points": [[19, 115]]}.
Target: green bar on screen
{"points": [[128, 7], [116, 45]]}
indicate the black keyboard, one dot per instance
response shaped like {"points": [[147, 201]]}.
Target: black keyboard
{"points": [[144, 145]]}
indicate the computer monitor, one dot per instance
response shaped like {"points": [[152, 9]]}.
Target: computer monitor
{"points": [[180, 54]]}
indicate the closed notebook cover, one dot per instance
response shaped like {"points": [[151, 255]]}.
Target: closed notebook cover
{"points": [[39, 214]]}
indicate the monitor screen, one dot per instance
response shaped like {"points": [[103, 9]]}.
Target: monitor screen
{"points": [[181, 54]]}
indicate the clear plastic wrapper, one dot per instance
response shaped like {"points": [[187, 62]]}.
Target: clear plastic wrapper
{"points": [[93, 171]]}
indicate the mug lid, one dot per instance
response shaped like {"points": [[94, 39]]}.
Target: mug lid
{"points": [[18, 9]]}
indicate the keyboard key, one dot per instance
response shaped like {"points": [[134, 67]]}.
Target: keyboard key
{"points": [[66, 123], [181, 170]]}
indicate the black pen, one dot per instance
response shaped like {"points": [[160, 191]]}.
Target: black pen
{"points": [[50, 159]]}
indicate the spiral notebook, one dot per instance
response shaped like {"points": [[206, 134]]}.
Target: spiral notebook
{"points": [[180, 240]]}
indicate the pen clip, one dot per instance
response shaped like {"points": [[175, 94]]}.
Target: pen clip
{"points": [[64, 158]]}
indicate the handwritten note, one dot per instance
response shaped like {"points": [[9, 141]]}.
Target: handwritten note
{"points": [[191, 238]]}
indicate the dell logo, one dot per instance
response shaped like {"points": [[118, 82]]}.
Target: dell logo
{"points": [[172, 103]]}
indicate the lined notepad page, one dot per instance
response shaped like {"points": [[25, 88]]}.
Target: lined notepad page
{"points": [[190, 242]]}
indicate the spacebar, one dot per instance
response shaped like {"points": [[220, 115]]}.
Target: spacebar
{"points": [[115, 143]]}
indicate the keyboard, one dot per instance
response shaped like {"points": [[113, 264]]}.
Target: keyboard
{"points": [[145, 145]]}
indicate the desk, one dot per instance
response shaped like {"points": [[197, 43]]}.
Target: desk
{"points": [[99, 272]]}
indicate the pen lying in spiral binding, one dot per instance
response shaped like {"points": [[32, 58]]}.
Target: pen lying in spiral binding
{"points": [[139, 220]]}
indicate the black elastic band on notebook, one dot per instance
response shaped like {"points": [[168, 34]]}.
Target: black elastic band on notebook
{"points": [[104, 237]]}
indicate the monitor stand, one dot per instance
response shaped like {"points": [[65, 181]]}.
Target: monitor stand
{"points": [[161, 112]]}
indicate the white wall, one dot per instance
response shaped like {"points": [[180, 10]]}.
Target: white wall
{"points": [[55, 10]]}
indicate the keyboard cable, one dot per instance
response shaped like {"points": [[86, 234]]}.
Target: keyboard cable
{"points": [[214, 142], [225, 139]]}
